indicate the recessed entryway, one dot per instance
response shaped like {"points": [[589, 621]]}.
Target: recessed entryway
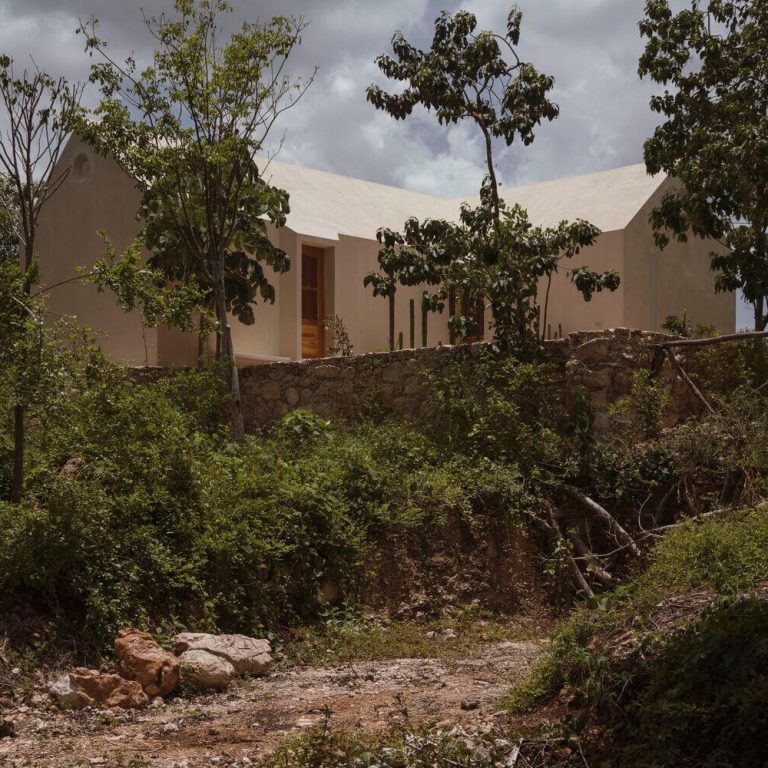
{"points": [[312, 301]]}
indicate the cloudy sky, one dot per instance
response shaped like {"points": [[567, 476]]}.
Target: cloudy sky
{"points": [[590, 46]]}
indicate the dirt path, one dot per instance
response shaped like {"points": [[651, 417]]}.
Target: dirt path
{"points": [[253, 717]]}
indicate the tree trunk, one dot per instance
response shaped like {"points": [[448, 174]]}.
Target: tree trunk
{"points": [[201, 343], [228, 351], [424, 327], [19, 431], [412, 326], [451, 313], [17, 490], [392, 322], [495, 202], [758, 306]]}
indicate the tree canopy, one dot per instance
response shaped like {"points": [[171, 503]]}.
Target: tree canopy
{"points": [[494, 254], [189, 128], [711, 59]]}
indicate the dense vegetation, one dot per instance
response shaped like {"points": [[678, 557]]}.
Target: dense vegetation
{"points": [[667, 668], [141, 510]]}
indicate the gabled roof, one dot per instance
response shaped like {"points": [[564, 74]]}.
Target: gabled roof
{"points": [[327, 205]]}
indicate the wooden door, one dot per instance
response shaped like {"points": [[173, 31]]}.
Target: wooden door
{"points": [[312, 309], [474, 308]]}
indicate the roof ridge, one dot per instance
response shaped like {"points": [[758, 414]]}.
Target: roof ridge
{"points": [[461, 198]]}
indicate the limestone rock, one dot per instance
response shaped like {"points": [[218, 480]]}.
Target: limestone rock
{"points": [[593, 351], [67, 695], [140, 658], [247, 655], [72, 468], [109, 690], [83, 687], [201, 670], [291, 396]]}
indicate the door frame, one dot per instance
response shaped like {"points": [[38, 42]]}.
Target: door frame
{"points": [[319, 253]]}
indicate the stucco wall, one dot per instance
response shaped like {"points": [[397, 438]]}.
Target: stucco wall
{"points": [[95, 196], [653, 285], [674, 281], [567, 311]]}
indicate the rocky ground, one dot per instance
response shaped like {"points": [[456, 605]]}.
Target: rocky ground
{"points": [[239, 726]]}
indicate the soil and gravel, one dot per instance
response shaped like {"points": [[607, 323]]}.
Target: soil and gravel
{"points": [[253, 717]]}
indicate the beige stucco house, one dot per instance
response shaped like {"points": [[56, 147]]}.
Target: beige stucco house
{"points": [[330, 237]]}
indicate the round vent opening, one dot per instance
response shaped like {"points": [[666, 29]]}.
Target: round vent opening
{"points": [[81, 168]]}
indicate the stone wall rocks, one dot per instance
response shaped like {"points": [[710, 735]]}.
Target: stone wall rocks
{"points": [[393, 382]]}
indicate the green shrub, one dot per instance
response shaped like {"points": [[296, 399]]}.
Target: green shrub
{"points": [[687, 693], [139, 509], [495, 406], [300, 428], [640, 416], [414, 748], [705, 697], [727, 553], [564, 661]]}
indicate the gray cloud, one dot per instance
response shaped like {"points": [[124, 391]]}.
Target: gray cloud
{"points": [[590, 46]]}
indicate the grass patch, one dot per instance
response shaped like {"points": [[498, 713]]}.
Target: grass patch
{"points": [[565, 653], [727, 553], [347, 637], [414, 748]]}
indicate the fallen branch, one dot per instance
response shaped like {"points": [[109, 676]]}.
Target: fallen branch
{"points": [[613, 525], [694, 519], [713, 339], [684, 376], [573, 566], [586, 554], [552, 529]]}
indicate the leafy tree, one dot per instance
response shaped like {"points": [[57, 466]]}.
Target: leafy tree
{"points": [[188, 128], [711, 60], [9, 240], [37, 112], [141, 286], [494, 253]]}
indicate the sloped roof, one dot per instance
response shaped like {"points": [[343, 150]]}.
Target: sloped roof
{"points": [[328, 205]]}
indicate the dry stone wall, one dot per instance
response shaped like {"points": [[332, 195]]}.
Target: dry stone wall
{"points": [[393, 383]]}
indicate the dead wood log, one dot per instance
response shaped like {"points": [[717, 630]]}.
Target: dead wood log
{"points": [[678, 368], [584, 552], [597, 511], [713, 339], [694, 519], [552, 529]]}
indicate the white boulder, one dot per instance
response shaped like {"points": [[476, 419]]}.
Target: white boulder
{"points": [[201, 670], [247, 655]]}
